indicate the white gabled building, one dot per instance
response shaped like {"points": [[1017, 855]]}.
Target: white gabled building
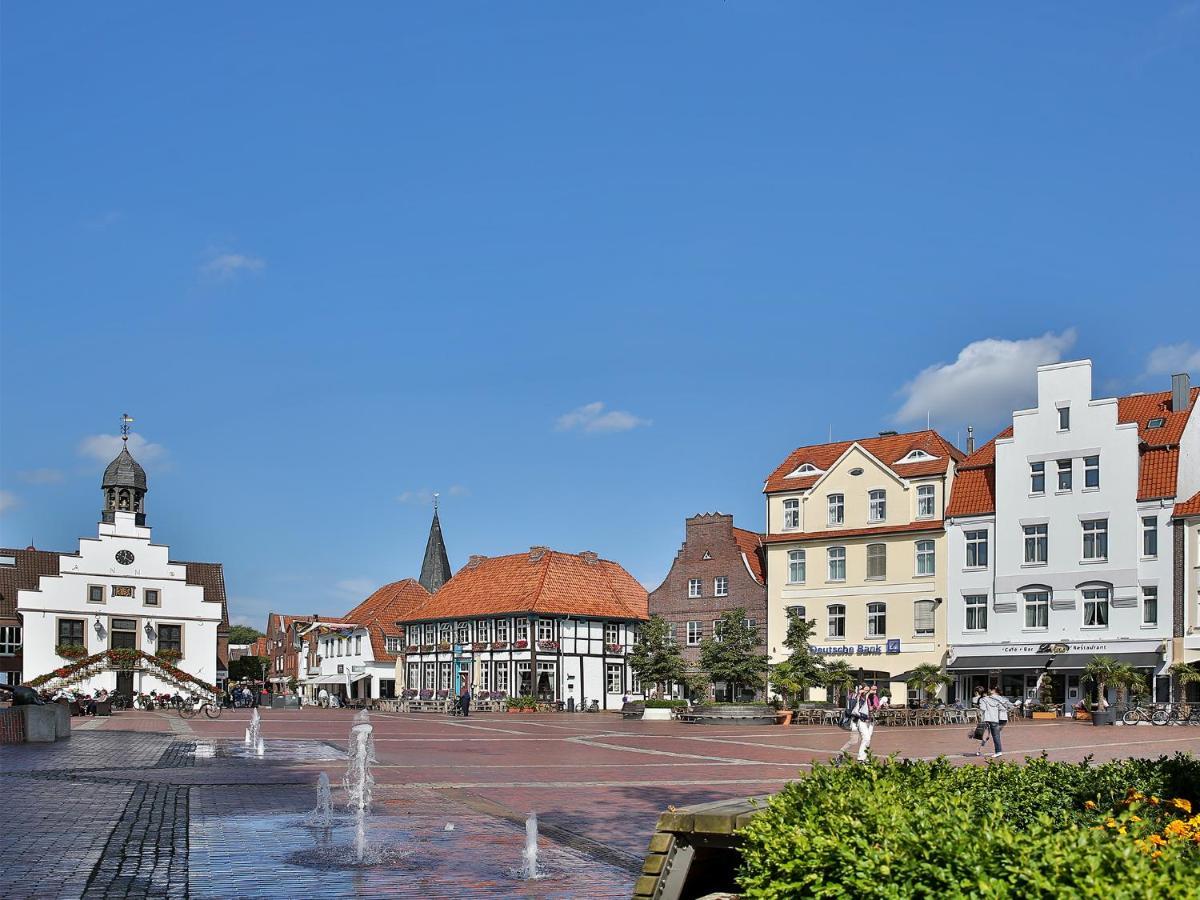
{"points": [[1060, 537], [121, 591]]}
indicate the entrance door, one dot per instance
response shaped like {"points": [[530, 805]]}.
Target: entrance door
{"points": [[125, 684]]}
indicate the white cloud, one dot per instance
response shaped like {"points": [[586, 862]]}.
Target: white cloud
{"points": [[105, 447], [8, 500], [592, 419], [424, 496], [226, 266], [988, 380], [1171, 359], [41, 476]]}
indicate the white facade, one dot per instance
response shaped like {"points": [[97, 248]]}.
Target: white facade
{"points": [[121, 590], [347, 665], [1072, 556]]}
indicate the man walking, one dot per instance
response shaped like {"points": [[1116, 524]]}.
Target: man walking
{"points": [[464, 698]]}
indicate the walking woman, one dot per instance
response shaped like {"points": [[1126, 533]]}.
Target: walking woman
{"points": [[861, 706], [993, 713]]}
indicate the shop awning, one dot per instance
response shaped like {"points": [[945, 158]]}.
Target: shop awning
{"points": [[359, 676], [1007, 661], [1144, 660], [329, 679]]}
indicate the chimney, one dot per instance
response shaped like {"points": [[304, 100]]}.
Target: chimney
{"points": [[887, 434], [589, 556], [970, 439], [536, 553], [1181, 392], [475, 560]]}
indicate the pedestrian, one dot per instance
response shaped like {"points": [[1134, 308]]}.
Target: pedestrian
{"points": [[993, 714], [861, 707], [464, 698], [323, 698]]}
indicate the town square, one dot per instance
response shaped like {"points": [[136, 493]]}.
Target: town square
{"points": [[679, 452]]}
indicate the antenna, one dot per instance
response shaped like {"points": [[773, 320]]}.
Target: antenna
{"points": [[126, 418], [926, 420], [831, 432]]}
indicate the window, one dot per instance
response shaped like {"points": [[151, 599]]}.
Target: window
{"points": [[445, 630], [122, 633], [721, 586], [612, 633], [1064, 418], [797, 611], [444, 676], [694, 587], [10, 639], [795, 566], [837, 563], [876, 619], [1037, 610], [1091, 471], [1156, 423], [1037, 541], [501, 677], [876, 560], [671, 636], [502, 629], [1095, 539], [837, 509], [150, 597], [463, 632], [751, 624], [877, 503], [612, 677], [170, 637], [1149, 605], [483, 630], [977, 549], [925, 563], [430, 634], [718, 629], [545, 629], [791, 513], [95, 593], [358, 645], [521, 632], [391, 644], [1037, 478], [1064, 474], [923, 617], [976, 612], [70, 632], [837, 621], [925, 508], [1150, 536], [1095, 608], [694, 632]]}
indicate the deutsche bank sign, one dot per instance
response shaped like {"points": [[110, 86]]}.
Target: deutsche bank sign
{"points": [[892, 646]]}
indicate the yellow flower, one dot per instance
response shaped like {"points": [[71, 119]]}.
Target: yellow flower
{"points": [[1157, 839], [1111, 823], [1176, 829], [1154, 801], [1089, 804], [1156, 854], [1135, 818], [1121, 830], [1180, 803]]}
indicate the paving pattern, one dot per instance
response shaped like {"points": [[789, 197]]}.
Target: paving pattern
{"points": [[149, 805]]}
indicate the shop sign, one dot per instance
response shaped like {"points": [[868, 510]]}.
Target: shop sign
{"points": [[851, 650], [893, 645]]}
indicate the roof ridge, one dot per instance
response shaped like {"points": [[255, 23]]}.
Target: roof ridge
{"points": [[537, 593]]}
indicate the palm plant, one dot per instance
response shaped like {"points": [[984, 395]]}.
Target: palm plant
{"points": [[1128, 680], [1101, 671], [1184, 674], [837, 675], [927, 678]]}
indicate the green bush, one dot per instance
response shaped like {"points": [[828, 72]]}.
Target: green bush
{"points": [[665, 704], [920, 829]]}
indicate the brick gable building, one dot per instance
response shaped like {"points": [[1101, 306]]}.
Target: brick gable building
{"points": [[718, 568]]}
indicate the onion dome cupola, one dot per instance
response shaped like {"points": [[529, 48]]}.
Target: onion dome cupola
{"points": [[124, 484]]}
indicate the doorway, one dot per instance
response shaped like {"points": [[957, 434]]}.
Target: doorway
{"points": [[125, 684]]}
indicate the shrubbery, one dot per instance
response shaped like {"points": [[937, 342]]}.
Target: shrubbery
{"points": [[920, 829]]}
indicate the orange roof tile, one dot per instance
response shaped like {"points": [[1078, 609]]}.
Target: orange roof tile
{"points": [[1189, 507], [1159, 447], [386, 606], [540, 581], [974, 493], [751, 544], [835, 534], [888, 449]]}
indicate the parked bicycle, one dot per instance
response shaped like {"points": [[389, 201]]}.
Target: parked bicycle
{"points": [[1141, 713], [121, 702], [1180, 714], [189, 707]]}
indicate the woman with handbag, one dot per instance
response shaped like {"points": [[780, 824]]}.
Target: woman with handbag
{"points": [[861, 707], [993, 714]]}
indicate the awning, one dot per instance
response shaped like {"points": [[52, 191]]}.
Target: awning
{"points": [[1148, 660], [359, 676], [329, 679], [1008, 661]]}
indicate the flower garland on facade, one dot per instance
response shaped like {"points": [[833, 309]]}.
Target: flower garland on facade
{"points": [[121, 658]]}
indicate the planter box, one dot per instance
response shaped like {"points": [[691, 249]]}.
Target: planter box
{"points": [[1083, 715], [1104, 717], [1045, 715], [657, 715]]}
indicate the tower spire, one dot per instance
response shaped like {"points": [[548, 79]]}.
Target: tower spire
{"points": [[435, 568]]}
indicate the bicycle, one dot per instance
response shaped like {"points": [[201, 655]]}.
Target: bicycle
{"points": [[120, 702], [1140, 713], [1181, 714], [190, 707]]}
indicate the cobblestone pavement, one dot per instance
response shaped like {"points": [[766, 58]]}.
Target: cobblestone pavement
{"points": [[148, 805]]}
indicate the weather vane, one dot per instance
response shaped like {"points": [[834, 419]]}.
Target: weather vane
{"points": [[435, 499], [126, 418]]}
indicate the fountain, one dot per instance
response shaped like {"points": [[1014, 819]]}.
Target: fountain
{"points": [[359, 783], [322, 816], [254, 733], [529, 856]]}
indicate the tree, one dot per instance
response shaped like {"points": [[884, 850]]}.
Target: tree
{"points": [[802, 669], [656, 658], [1128, 680], [835, 676], [730, 655], [927, 678], [1101, 671], [248, 668], [243, 634], [1183, 674]]}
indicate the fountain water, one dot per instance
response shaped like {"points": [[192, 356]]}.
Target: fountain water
{"points": [[254, 733], [360, 783], [529, 856], [322, 816]]}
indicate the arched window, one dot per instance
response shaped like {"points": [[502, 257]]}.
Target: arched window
{"points": [[1096, 598], [876, 619], [123, 499], [877, 561], [877, 505], [1037, 606]]}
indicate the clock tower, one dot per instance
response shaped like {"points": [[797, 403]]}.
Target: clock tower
{"points": [[124, 487]]}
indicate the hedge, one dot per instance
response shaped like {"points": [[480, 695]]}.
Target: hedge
{"points": [[918, 829]]}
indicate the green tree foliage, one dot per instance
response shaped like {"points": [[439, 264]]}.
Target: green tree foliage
{"points": [[248, 668], [656, 658], [928, 678], [1183, 674], [243, 634], [1101, 671], [802, 669], [837, 677], [732, 655]]}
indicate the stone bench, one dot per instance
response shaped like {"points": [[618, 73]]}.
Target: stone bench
{"points": [[732, 714]]}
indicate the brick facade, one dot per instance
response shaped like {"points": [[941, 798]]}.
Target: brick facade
{"points": [[713, 548]]}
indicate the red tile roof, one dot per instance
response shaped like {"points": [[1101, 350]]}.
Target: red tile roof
{"points": [[974, 491], [23, 575], [888, 449], [836, 534], [751, 545], [380, 612], [541, 581], [1189, 507]]}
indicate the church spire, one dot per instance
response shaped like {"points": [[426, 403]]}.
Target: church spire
{"points": [[435, 568]]}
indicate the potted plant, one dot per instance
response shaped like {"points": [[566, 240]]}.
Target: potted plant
{"points": [[71, 651], [499, 645], [1101, 671], [547, 645], [520, 645], [443, 645], [170, 654], [928, 678]]}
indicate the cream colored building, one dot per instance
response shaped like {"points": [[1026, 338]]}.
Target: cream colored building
{"points": [[856, 541], [1186, 642]]}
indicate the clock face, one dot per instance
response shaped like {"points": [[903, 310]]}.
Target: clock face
{"points": [[124, 557]]}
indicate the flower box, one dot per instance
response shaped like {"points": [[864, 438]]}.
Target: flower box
{"points": [[427, 648], [614, 648], [444, 645], [520, 645], [1045, 715], [547, 645], [479, 645], [169, 654], [413, 648], [71, 651]]}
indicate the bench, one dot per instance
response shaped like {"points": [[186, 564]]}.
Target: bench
{"points": [[732, 714]]}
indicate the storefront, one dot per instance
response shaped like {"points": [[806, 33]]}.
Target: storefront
{"points": [[886, 666], [1016, 668]]}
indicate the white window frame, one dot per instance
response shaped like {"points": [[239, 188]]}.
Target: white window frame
{"points": [[1149, 537], [1149, 602], [835, 558], [1066, 474], [797, 564], [1095, 536], [976, 543], [836, 509], [791, 514], [1097, 604], [545, 629], [10, 640], [613, 673], [1091, 466], [876, 619], [877, 556], [877, 505], [1039, 603], [835, 613], [391, 643], [695, 634], [1037, 473], [695, 588], [975, 612], [926, 495], [1064, 417], [1036, 538], [721, 586], [926, 558]]}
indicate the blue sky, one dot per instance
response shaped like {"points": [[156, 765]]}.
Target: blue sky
{"points": [[332, 259]]}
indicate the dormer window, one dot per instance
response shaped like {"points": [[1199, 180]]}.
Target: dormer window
{"points": [[806, 469], [916, 456], [1156, 423]]}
